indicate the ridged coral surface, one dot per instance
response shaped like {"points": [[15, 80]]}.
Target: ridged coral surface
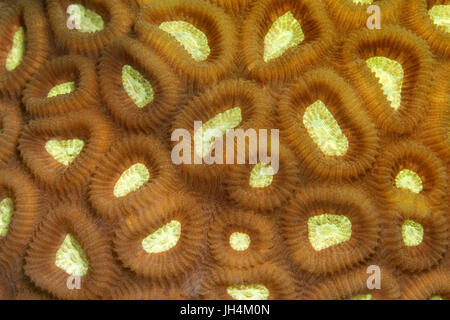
{"points": [[98, 99]]}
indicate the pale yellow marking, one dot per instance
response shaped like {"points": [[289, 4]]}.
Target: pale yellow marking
{"points": [[285, 33], [64, 151], [440, 14], [324, 130], [214, 128], [163, 239], [60, 89], [409, 180], [15, 55], [191, 38], [412, 233], [248, 292], [328, 230], [131, 180], [137, 87], [390, 76], [261, 175], [239, 241], [71, 258], [6, 211]]}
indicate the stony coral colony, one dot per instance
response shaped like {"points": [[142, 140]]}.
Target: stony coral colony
{"points": [[91, 92]]}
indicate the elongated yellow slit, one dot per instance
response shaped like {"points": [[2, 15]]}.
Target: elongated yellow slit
{"points": [[324, 130], [390, 76], [362, 1], [61, 89], [137, 87], [248, 292], [6, 212], [285, 33], [163, 239], [193, 40], [216, 127], [15, 55], [131, 180]]}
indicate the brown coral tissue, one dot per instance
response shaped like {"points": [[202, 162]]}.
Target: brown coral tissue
{"points": [[224, 149]]}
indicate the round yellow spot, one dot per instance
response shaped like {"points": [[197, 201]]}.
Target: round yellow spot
{"points": [[63, 88], [412, 233], [163, 239], [436, 298], [131, 180], [239, 241], [327, 230], [15, 55], [248, 292], [409, 180], [285, 33], [6, 211], [390, 75], [440, 15], [214, 128], [70, 257], [192, 39], [137, 87], [85, 20], [261, 175], [324, 130], [64, 151]]}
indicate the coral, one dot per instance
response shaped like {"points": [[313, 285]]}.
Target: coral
{"points": [[89, 26], [135, 240], [232, 104], [118, 189], [257, 187], [63, 152], [267, 281], [323, 121], [409, 165], [430, 285], [427, 18], [241, 239], [20, 209], [353, 285], [224, 149], [63, 84], [24, 45], [296, 35], [71, 246], [198, 39], [399, 46], [139, 88], [414, 237], [10, 126], [328, 229]]}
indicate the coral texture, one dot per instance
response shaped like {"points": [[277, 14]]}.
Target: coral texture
{"points": [[224, 149]]}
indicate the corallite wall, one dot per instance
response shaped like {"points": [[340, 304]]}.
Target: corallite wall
{"points": [[113, 185]]}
